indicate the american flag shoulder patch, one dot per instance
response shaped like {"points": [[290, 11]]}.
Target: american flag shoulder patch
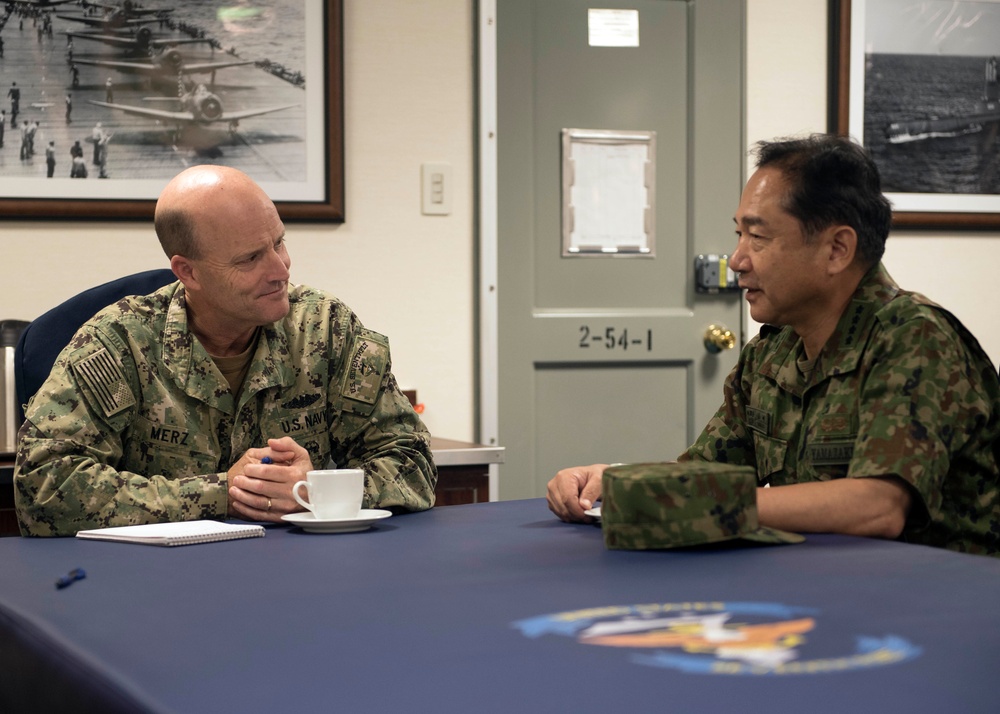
{"points": [[105, 379]]}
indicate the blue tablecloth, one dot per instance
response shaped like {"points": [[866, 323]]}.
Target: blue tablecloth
{"points": [[496, 608]]}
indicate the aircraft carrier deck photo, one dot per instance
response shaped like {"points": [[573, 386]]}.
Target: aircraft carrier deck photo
{"points": [[167, 89]]}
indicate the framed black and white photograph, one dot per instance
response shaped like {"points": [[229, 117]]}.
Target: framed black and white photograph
{"points": [[917, 84], [102, 103]]}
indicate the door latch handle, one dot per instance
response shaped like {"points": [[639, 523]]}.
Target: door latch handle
{"points": [[718, 338]]}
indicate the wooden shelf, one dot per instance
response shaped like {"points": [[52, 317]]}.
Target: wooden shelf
{"points": [[463, 471]]}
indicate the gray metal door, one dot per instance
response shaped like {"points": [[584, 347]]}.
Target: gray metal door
{"points": [[603, 358]]}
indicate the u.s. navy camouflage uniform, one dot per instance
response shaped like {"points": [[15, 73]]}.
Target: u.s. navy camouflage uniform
{"points": [[135, 424], [901, 388]]}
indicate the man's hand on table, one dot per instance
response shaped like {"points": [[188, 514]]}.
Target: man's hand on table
{"points": [[261, 491], [573, 491]]}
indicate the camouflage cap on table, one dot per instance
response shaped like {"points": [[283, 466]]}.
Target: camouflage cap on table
{"points": [[671, 505]]}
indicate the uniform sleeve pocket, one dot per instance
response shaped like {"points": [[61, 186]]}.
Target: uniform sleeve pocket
{"points": [[770, 454]]}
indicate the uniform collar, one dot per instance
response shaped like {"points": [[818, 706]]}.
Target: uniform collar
{"points": [[191, 366], [843, 349]]}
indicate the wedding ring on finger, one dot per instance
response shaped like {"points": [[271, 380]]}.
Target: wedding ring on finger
{"points": [[268, 509]]}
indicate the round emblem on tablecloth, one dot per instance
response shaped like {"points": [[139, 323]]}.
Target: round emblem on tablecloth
{"points": [[725, 638]]}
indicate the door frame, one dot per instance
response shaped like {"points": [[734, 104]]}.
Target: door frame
{"points": [[487, 207]]}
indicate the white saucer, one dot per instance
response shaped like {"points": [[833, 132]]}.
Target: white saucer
{"points": [[594, 512], [361, 522]]}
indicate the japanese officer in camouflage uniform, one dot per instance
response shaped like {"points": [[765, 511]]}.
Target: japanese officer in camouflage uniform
{"points": [[163, 407], [869, 410]]}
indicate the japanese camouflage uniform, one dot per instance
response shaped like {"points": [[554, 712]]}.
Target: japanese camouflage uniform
{"points": [[649, 506], [900, 388], [136, 424]]}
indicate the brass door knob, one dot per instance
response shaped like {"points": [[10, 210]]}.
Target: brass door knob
{"points": [[719, 338]]}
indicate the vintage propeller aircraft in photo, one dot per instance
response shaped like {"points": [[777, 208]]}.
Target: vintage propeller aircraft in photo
{"points": [[138, 42], [165, 65], [116, 17], [198, 105]]}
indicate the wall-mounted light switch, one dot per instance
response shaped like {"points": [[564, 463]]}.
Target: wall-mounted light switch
{"points": [[435, 189]]}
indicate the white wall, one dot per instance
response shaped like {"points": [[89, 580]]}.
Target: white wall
{"points": [[786, 95], [408, 100]]}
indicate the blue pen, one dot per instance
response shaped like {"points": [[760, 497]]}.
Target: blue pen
{"points": [[73, 576], [266, 460]]}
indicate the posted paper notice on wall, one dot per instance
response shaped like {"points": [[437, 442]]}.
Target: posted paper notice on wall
{"points": [[613, 28]]}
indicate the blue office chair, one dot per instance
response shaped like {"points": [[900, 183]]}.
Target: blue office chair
{"points": [[44, 338]]}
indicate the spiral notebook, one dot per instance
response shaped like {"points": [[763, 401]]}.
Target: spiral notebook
{"points": [[180, 533]]}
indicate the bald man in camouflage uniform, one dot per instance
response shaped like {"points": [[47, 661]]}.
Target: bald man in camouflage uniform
{"points": [[164, 407], [867, 409]]}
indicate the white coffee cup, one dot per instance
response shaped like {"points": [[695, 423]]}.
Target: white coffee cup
{"points": [[333, 493]]}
